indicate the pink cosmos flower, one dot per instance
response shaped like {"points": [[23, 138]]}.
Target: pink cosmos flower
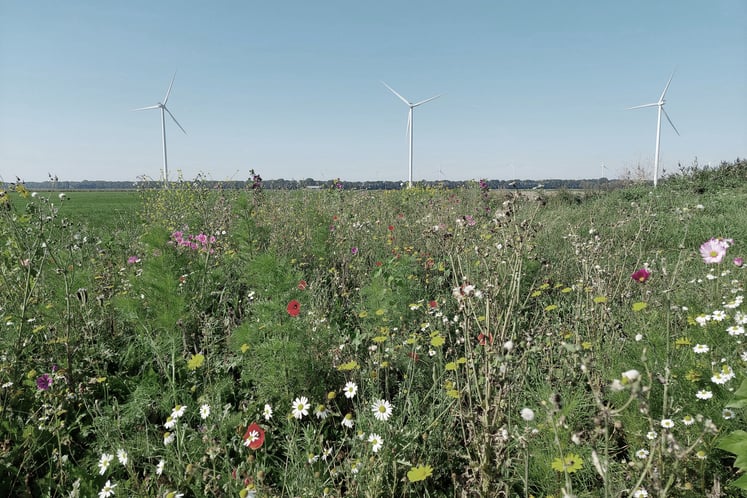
{"points": [[641, 275], [714, 250]]}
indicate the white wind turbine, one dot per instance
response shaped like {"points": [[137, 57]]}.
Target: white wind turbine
{"points": [[409, 122], [660, 105], [164, 109]]}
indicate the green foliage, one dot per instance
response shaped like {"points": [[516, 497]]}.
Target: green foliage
{"points": [[501, 333], [736, 443], [702, 179]]}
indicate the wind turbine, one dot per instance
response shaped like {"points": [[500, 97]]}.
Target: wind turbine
{"points": [[660, 105], [164, 109], [409, 122]]}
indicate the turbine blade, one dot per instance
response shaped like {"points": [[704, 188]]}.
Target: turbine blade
{"points": [[641, 106], [670, 121], [426, 100], [175, 121], [168, 92], [149, 107], [395, 93], [661, 99]]}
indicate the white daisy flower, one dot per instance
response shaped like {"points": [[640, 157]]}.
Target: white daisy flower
{"points": [[382, 410], [107, 490], [104, 462], [347, 421], [300, 407], [321, 412], [178, 411], [376, 441], [701, 348], [350, 390]]}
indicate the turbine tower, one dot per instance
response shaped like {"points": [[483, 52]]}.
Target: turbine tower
{"points": [[660, 105], [164, 110], [409, 123]]}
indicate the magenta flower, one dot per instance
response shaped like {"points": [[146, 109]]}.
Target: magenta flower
{"points": [[353, 251], [641, 275], [132, 260], [714, 250], [738, 262], [44, 382]]}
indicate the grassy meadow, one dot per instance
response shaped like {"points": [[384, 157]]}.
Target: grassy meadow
{"points": [[426, 342]]}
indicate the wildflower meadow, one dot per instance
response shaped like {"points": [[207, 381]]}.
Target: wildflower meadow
{"points": [[332, 343]]}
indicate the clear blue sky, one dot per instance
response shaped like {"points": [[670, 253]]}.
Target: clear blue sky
{"points": [[532, 90]]}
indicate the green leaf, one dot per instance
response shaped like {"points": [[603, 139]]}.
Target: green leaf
{"points": [[740, 397], [736, 443], [740, 483]]}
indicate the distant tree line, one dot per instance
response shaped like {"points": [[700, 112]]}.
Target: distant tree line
{"points": [[310, 183], [733, 170]]}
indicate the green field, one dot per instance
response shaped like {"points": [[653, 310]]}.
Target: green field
{"points": [[424, 342], [97, 208]]}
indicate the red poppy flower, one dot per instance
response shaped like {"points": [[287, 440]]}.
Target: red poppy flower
{"points": [[483, 339], [391, 227], [641, 275], [254, 437], [433, 304], [302, 285], [294, 308]]}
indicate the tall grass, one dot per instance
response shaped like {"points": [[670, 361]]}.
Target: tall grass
{"points": [[337, 343]]}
